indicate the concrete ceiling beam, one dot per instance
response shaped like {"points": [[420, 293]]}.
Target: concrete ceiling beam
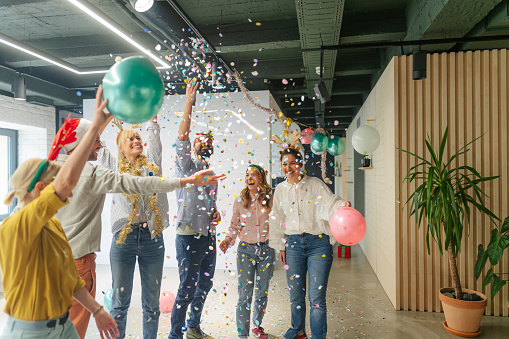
{"points": [[498, 16], [444, 19]]}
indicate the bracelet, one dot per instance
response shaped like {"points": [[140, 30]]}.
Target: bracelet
{"points": [[97, 310]]}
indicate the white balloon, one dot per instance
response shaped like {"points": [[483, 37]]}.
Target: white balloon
{"points": [[365, 139]]}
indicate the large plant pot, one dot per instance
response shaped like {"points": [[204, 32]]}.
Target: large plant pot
{"points": [[462, 317]]}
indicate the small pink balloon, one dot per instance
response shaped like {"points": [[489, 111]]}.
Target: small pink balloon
{"points": [[307, 135], [348, 226], [166, 301]]}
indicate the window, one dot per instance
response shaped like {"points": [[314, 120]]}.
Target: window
{"points": [[8, 163]]}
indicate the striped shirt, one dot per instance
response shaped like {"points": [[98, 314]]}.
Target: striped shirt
{"points": [[121, 208]]}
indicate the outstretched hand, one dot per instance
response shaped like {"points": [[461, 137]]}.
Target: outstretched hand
{"points": [[106, 325], [202, 178], [346, 204]]}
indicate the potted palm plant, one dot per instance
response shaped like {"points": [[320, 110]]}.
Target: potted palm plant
{"points": [[443, 201]]}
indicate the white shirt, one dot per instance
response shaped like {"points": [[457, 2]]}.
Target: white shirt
{"points": [[306, 207]]}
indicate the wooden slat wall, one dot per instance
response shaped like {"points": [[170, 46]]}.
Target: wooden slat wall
{"points": [[468, 92]]}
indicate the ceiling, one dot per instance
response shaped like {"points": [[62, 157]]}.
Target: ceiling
{"points": [[274, 44]]}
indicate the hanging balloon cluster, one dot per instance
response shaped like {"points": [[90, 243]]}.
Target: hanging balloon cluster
{"points": [[318, 140]]}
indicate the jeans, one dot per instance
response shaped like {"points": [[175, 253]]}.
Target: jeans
{"points": [[196, 256], [150, 254], [311, 254], [255, 265], [15, 328]]}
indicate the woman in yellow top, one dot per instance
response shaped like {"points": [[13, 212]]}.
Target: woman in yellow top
{"points": [[39, 274]]}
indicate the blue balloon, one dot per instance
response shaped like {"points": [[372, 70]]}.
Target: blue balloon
{"points": [[336, 146], [107, 299], [319, 142]]}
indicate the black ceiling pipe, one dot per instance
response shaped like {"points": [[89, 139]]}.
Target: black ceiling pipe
{"points": [[413, 42]]}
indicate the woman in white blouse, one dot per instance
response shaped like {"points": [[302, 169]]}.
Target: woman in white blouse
{"points": [[300, 233]]}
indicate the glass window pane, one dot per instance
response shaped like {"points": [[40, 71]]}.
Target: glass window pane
{"points": [[4, 172]]}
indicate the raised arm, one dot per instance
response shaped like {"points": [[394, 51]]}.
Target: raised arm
{"points": [[185, 124], [106, 159], [154, 145], [70, 172]]}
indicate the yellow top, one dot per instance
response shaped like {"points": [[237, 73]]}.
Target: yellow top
{"points": [[38, 271]]}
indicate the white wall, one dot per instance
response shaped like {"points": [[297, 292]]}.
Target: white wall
{"points": [[35, 126], [379, 244], [242, 135]]}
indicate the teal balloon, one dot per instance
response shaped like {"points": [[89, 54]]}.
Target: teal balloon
{"points": [[134, 89], [336, 146], [107, 299], [319, 142]]}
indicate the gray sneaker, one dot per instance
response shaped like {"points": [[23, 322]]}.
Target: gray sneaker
{"points": [[197, 333]]}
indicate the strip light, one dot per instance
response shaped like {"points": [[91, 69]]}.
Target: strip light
{"points": [[4, 39], [118, 32], [20, 47]]}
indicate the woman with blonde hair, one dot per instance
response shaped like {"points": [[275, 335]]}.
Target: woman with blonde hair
{"points": [[39, 274], [255, 259], [137, 225]]}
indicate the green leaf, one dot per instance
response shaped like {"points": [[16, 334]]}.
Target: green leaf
{"points": [[497, 286], [488, 278], [442, 145], [482, 257], [496, 246], [505, 226]]}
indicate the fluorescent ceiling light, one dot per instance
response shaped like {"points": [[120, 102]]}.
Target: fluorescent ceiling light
{"points": [[43, 56], [141, 5], [4, 39], [119, 33]]}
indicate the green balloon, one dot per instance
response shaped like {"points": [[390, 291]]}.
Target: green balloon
{"points": [[134, 89], [319, 142], [108, 299], [336, 146]]}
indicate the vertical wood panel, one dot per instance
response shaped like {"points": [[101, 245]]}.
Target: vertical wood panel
{"points": [[468, 93]]}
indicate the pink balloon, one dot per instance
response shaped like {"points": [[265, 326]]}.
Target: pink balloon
{"points": [[166, 301], [348, 226], [307, 135]]}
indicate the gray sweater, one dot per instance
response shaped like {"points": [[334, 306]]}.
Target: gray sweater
{"points": [[81, 218]]}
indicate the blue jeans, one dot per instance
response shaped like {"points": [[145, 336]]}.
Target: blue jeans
{"points": [[255, 264], [308, 254], [150, 255], [196, 256]]}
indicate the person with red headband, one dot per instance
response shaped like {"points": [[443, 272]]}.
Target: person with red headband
{"points": [[39, 274], [255, 258], [196, 228], [81, 218]]}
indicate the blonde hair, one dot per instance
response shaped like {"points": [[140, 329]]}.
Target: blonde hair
{"points": [[24, 174], [121, 139], [263, 194]]}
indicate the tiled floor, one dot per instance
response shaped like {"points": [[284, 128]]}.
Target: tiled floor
{"points": [[357, 307]]}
